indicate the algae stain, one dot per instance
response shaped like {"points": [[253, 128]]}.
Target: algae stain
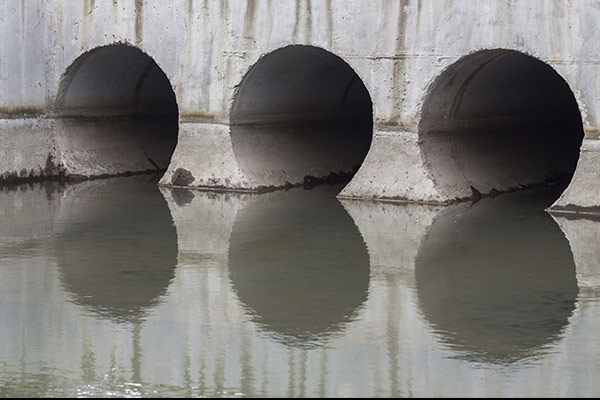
{"points": [[139, 25]]}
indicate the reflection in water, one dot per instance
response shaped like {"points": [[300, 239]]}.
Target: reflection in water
{"points": [[497, 285], [584, 235], [118, 249], [230, 319], [298, 262]]}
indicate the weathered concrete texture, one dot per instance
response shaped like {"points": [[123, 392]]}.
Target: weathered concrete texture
{"points": [[211, 165], [393, 170], [23, 61], [28, 150], [210, 51], [583, 194]]}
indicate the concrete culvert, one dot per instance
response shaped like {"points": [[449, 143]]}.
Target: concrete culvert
{"points": [[499, 120], [301, 115], [116, 114]]}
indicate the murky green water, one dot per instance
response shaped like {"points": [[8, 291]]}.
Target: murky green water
{"points": [[117, 288]]}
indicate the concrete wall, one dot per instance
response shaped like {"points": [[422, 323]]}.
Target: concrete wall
{"points": [[205, 49]]}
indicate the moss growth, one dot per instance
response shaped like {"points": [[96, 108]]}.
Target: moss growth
{"points": [[21, 112], [196, 117]]}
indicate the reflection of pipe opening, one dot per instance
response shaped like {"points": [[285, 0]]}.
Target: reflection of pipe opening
{"points": [[301, 114], [299, 265], [499, 120], [117, 114], [117, 249], [496, 280]]}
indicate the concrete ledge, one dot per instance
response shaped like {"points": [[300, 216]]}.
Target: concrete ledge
{"points": [[583, 194], [393, 171], [204, 159], [27, 150]]}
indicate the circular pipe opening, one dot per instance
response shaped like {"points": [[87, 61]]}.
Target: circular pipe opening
{"points": [[116, 113], [302, 115], [496, 121]]}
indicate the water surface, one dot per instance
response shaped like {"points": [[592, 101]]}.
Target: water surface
{"points": [[118, 288]]}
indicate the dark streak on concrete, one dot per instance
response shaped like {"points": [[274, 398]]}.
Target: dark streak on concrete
{"points": [[571, 211], [249, 19], [329, 22], [139, 25], [182, 177], [179, 182], [296, 21], [51, 171], [474, 198], [21, 112], [399, 75], [308, 21]]}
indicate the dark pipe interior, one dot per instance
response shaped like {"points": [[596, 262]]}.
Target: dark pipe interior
{"points": [[499, 120], [118, 112], [301, 111]]}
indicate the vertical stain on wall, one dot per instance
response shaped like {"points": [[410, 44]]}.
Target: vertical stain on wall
{"points": [[139, 24], [418, 16], [308, 17], [269, 20], [329, 23], [225, 14], [89, 6], [84, 31], [401, 23], [185, 70], [399, 74], [296, 22], [23, 18], [249, 18], [114, 14], [22, 53], [211, 43]]}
